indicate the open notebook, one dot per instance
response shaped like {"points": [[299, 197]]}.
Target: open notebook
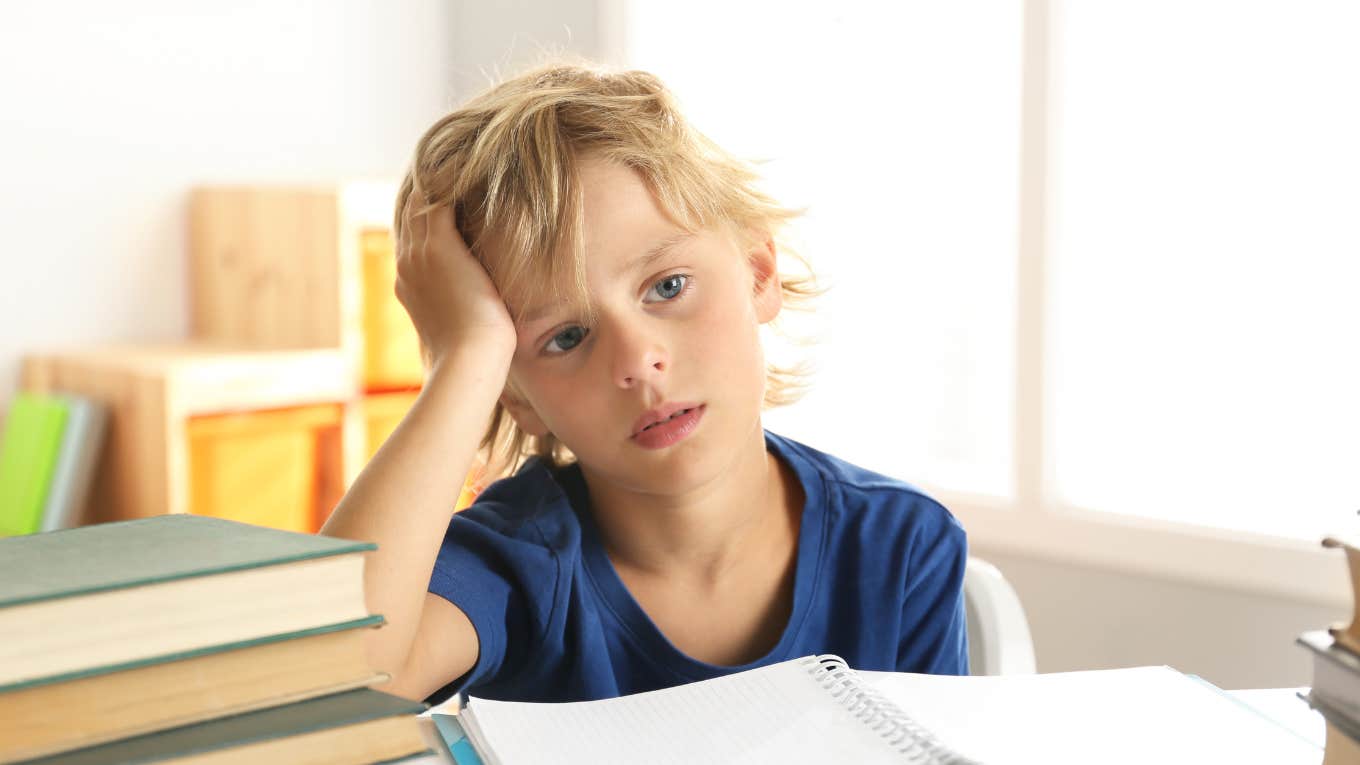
{"points": [[816, 710]]}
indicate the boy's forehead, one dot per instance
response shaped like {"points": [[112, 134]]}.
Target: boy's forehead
{"points": [[530, 307], [622, 229], [618, 207]]}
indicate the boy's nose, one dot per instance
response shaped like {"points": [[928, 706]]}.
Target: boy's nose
{"points": [[628, 381], [638, 358]]}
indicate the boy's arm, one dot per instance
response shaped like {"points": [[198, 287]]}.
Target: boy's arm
{"points": [[404, 500], [445, 648]]}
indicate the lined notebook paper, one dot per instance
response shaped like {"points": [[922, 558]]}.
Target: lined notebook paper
{"points": [[815, 710], [785, 712], [1136, 715]]}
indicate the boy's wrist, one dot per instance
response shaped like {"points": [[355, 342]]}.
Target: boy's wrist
{"points": [[489, 358]]}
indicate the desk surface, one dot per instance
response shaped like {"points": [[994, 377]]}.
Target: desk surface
{"points": [[1284, 706], [1279, 704]]}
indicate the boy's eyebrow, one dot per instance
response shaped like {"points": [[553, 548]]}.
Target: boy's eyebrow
{"points": [[655, 253], [658, 251]]}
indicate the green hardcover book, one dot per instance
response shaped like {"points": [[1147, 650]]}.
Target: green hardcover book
{"points": [[79, 599], [171, 691], [363, 726], [28, 453]]}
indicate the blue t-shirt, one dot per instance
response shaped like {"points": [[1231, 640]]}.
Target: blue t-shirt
{"points": [[878, 582]]}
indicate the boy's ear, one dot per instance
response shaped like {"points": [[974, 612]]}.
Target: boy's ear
{"points": [[524, 415], [767, 289]]}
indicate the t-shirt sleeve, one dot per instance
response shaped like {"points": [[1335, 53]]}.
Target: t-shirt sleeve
{"points": [[935, 634], [503, 576]]}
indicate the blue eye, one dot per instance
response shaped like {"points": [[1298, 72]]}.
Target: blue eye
{"points": [[567, 339], [671, 287]]}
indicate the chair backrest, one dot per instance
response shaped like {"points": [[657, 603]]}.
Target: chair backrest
{"points": [[999, 641]]}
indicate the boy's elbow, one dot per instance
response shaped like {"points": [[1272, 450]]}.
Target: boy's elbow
{"points": [[403, 684]]}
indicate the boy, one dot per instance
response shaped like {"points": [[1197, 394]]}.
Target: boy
{"points": [[591, 274]]}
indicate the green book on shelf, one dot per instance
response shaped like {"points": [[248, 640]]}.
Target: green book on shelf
{"points": [[122, 592], [28, 453], [363, 726]]}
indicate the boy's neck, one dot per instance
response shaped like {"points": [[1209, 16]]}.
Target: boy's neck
{"points": [[741, 516]]}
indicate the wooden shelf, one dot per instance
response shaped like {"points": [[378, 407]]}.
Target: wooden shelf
{"points": [[293, 319], [153, 392]]}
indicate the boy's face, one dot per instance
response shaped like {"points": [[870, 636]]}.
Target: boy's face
{"points": [[682, 328]]}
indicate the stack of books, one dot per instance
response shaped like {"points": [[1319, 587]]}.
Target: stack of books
{"points": [[48, 454], [194, 640], [1335, 692]]}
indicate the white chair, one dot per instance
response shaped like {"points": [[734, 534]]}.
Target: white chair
{"points": [[999, 642]]}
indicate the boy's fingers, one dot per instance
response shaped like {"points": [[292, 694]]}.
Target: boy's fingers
{"points": [[441, 228], [413, 235], [433, 227]]}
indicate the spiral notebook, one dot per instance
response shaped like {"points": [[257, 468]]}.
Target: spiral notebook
{"points": [[817, 710]]}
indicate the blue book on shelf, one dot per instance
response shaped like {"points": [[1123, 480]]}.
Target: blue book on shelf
{"points": [[81, 444]]}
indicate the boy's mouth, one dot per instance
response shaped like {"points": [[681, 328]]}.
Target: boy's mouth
{"points": [[657, 415]]}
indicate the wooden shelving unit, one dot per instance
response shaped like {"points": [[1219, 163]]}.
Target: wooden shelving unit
{"points": [[301, 361]]}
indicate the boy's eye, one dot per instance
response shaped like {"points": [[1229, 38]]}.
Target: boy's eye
{"points": [[566, 339], [670, 287]]}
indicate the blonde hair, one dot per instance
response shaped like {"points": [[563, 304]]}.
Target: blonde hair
{"points": [[507, 163]]}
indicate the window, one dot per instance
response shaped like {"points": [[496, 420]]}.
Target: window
{"points": [[1149, 358], [1205, 261], [896, 125]]}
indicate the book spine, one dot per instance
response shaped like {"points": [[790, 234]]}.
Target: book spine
{"points": [[76, 462], [28, 454]]}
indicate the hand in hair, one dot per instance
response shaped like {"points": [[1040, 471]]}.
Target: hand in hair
{"points": [[446, 291]]}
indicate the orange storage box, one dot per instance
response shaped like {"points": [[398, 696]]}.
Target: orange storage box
{"points": [[271, 468], [391, 345]]}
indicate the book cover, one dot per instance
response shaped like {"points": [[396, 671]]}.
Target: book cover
{"points": [[28, 453], [81, 443], [456, 740], [1343, 732], [1336, 671], [85, 673], [96, 596], [316, 715], [36, 719], [111, 556]]}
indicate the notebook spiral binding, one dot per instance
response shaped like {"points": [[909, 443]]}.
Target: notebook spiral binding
{"points": [[882, 716]]}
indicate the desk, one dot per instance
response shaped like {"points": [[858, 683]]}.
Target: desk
{"points": [[1284, 706], [1279, 704]]}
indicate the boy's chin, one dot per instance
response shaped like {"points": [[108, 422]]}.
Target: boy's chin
{"points": [[670, 470]]}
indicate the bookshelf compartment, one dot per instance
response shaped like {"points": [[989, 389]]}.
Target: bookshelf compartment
{"points": [[391, 345], [270, 468], [293, 307]]}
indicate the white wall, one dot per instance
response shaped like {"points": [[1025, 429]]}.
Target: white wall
{"points": [[501, 37], [110, 112], [1085, 617]]}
